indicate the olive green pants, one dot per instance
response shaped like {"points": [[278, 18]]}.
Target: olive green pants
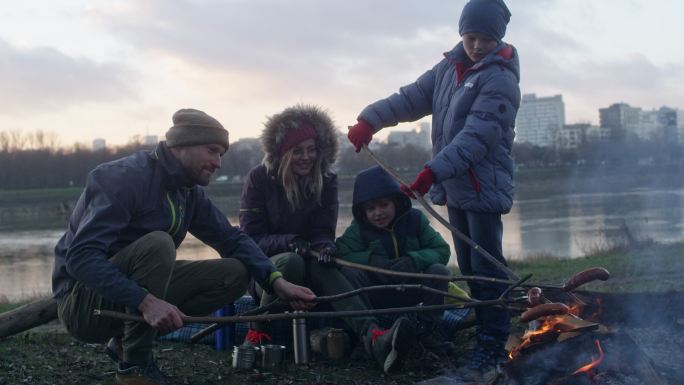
{"points": [[196, 287], [322, 280]]}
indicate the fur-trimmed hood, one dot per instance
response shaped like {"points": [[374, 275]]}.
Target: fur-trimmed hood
{"points": [[279, 124]]}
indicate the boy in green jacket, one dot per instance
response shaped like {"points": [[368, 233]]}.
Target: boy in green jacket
{"points": [[388, 233]]}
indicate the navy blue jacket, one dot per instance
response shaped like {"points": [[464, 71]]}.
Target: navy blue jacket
{"points": [[133, 196], [473, 114]]}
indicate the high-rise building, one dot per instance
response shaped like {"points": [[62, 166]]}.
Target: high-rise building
{"points": [[597, 134], [99, 144], [680, 125], [419, 137], [667, 124], [150, 140], [540, 120], [622, 120], [573, 135]]}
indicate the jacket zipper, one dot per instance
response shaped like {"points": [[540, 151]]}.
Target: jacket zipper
{"points": [[395, 244], [175, 219]]}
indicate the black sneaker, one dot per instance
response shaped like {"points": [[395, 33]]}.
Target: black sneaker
{"points": [[484, 361], [140, 375], [389, 346]]}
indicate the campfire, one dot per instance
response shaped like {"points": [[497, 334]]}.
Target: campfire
{"points": [[565, 343]]}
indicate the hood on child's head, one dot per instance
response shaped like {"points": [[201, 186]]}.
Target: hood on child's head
{"points": [[375, 183]]}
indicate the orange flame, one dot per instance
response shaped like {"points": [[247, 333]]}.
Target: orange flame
{"points": [[548, 326], [594, 363]]}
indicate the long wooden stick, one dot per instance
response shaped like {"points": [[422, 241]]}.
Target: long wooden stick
{"points": [[443, 221], [374, 269], [331, 298], [298, 315]]}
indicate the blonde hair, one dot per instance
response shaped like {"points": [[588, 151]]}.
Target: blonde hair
{"points": [[298, 188]]}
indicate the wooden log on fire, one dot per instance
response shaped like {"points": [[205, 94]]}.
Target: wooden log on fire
{"points": [[28, 316]]}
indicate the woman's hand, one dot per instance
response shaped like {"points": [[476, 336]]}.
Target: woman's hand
{"points": [[326, 256], [300, 246]]}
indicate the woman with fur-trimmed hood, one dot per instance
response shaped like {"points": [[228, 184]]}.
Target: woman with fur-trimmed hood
{"points": [[292, 196], [289, 207]]}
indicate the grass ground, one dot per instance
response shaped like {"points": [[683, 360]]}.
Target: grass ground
{"points": [[47, 355]]}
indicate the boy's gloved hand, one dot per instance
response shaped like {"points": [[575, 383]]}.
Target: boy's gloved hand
{"points": [[404, 264], [422, 184], [359, 134], [327, 255], [300, 246]]}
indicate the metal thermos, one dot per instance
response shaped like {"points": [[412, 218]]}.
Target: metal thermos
{"points": [[300, 340]]}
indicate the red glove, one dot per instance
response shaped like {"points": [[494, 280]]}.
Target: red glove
{"points": [[407, 190], [422, 184], [359, 134]]}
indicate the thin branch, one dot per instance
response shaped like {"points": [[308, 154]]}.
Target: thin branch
{"points": [[336, 297], [378, 270], [517, 284], [305, 315]]}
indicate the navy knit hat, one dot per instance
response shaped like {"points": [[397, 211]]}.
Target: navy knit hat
{"points": [[485, 16]]}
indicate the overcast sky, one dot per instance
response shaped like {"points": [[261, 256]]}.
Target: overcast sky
{"points": [[114, 69]]}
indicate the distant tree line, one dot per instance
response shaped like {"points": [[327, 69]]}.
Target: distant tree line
{"points": [[600, 153], [33, 160]]}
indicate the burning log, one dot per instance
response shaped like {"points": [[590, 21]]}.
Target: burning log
{"points": [[596, 358]]}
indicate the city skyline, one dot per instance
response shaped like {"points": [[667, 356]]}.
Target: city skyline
{"points": [[113, 70]]}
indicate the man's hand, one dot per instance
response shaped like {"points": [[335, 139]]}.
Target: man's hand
{"points": [[299, 297], [160, 314], [422, 184], [359, 134]]}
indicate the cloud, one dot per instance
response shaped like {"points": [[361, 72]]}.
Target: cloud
{"points": [[292, 43], [255, 56], [43, 79]]}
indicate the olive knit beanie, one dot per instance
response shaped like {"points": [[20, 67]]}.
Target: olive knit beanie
{"points": [[194, 127]]}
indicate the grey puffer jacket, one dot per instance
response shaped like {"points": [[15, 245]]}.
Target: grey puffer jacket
{"points": [[473, 115]]}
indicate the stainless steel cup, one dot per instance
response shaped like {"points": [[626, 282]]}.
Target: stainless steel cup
{"points": [[245, 357], [272, 357]]}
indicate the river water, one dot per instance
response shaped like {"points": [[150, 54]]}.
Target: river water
{"points": [[567, 225]]}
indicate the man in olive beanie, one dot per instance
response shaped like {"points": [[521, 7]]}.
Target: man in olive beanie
{"points": [[192, 127], [119, 250]]}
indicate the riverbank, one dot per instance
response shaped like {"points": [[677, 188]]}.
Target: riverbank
{"points": [[47, 355]]}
